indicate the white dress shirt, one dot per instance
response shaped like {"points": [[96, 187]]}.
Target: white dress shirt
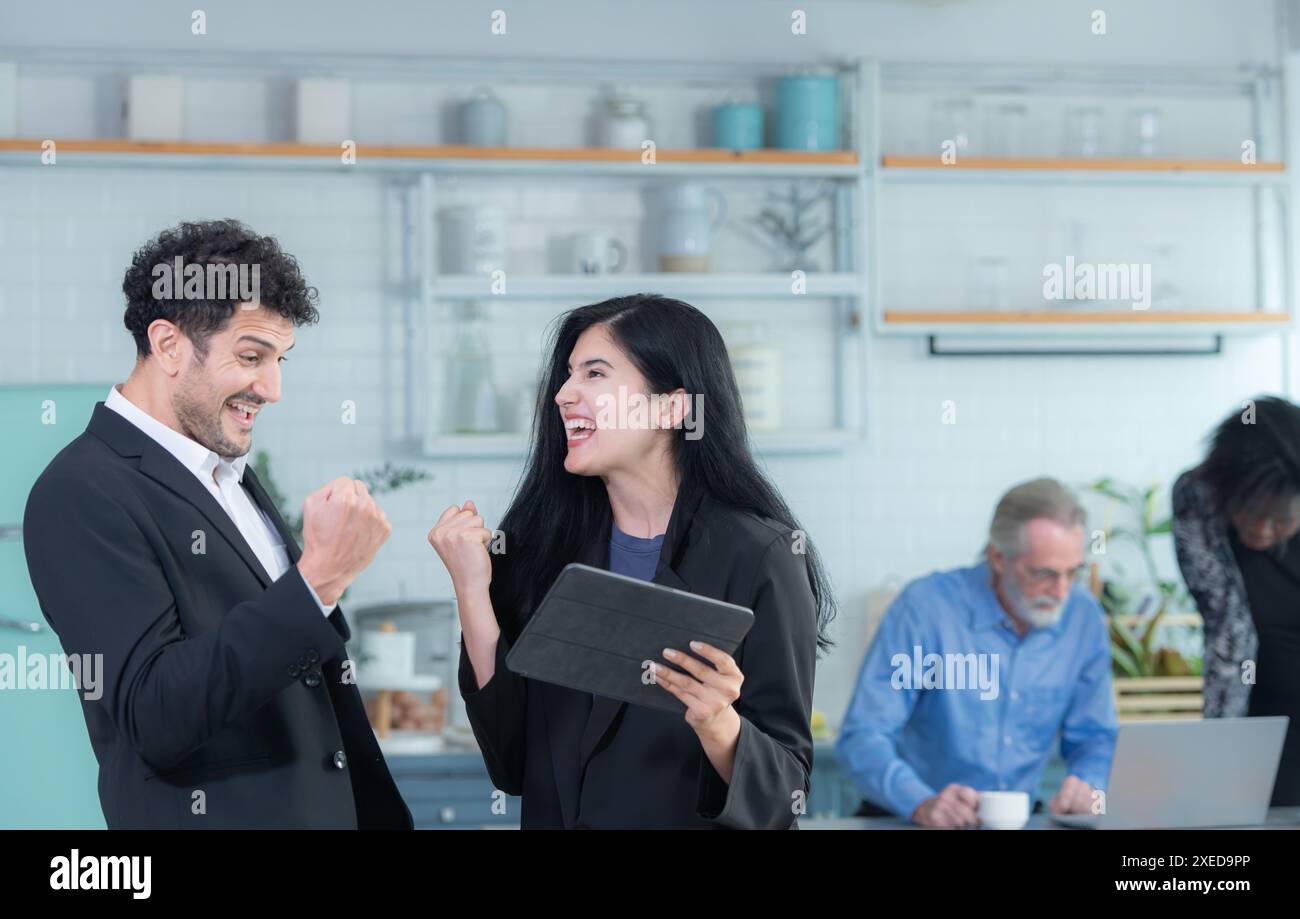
{"points": [[222, 480]]}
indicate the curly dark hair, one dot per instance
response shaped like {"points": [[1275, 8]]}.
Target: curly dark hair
{"points": [[1252, 464], [212, 242]]}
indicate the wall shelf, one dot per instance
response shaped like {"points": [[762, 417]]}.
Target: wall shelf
{"points": [[772, 286], [1064, 323], [1100, 171], [1099, 164], [784, 442], [1220, 320], [1268, 182], [422, 173], [443, 158], [845, 285]]}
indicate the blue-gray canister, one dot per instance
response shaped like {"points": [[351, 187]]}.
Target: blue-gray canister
{"points": [[738, 126], [483, 120], [807, 112]]}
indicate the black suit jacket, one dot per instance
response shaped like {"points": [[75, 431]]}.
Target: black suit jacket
{"points": [[224, 701], [615, 765]]}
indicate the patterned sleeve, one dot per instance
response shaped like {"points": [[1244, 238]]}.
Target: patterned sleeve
{"points": [[1214, 581]]}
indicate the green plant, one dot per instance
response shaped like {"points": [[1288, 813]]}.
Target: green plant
{"points": [[387, 478], [785, 225], [1133, 650]]}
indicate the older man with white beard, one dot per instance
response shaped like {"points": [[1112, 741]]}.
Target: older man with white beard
{"points": [[975, 671]]}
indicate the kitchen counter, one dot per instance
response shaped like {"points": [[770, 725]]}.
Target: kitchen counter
{"points": [[1279, 818]]}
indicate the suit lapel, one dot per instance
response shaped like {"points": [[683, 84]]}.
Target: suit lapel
{"points": [[603, 713], [267, 506], [162, 467]]}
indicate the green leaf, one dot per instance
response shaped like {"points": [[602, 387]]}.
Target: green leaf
{"points": [[1148, 633], [1148, 508], [1123, 638], [389, 478], [1124, 663], [1107, 487]]}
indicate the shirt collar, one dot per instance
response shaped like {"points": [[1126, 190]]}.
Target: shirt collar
{"points": [[191, 454]]}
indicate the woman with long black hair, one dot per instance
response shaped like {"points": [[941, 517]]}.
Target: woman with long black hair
{"points": [[640, 463]]}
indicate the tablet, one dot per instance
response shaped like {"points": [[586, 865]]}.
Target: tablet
{"points": [[597, 631]]}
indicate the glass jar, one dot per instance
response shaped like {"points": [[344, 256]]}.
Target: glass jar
{"points": [[1005, 130], [473, 405], [1083, 131], [624, 125], [1143, 132], [950, 123]]}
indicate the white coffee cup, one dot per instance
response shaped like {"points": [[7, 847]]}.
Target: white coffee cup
{"points": [[1004, 810], [596, 253]]}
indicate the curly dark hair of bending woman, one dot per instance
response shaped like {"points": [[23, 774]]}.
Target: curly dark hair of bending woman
{"points": [[1253, 470], [554, 512]]}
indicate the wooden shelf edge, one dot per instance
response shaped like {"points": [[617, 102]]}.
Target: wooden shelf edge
{"points": [[1090, 164], [1140, 684], [515, 445], [1065, 317], [437, 152], [767, 285]]}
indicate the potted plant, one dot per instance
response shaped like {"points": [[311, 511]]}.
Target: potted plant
{"points": [[387, 478], [1154, 675]]}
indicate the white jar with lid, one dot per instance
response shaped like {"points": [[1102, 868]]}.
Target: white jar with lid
{"points": [[758, 367], [624, 124]]}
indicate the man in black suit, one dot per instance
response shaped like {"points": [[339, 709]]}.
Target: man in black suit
{"points": [[227, 699]]}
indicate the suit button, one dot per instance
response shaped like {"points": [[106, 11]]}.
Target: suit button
{"points": [[340, 760], [311, 680], [294, 670], [303, 663], [313, 656]]}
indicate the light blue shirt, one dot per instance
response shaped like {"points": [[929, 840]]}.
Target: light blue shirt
{"points": [[949, 692]]}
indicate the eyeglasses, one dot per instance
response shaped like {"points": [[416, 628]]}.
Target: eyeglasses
{"points": [[1045, 577]]}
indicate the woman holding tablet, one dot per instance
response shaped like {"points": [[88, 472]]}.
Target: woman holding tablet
{"points": [[640, 463]]}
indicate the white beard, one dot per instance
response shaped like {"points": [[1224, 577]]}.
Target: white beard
{"points": [[1041, 613], [1043, 617]]}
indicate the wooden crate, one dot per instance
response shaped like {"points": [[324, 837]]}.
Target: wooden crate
{"points": [[1158, 698]]}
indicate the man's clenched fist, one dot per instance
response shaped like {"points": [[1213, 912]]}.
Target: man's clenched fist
{"points": [[342, 529]]}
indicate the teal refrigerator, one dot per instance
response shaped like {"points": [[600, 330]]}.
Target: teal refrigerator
{"points": [[48, 771]]}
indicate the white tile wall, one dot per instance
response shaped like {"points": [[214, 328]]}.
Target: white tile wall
{"points": [[914, 496]]}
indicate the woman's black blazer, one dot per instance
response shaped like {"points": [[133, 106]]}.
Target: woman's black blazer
{"points": [[615, 765]]}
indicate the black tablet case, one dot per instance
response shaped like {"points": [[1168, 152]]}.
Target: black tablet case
{"points": [[594, 631]]}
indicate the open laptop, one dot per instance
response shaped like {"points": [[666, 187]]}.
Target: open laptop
{"points": [[1216, 772]]}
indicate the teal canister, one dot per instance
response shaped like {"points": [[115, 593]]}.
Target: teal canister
{"points": [[807, 112], [738, 126]]}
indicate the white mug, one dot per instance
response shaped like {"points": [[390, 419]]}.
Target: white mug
{"points": [[1004, 810], [597, 253]]}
